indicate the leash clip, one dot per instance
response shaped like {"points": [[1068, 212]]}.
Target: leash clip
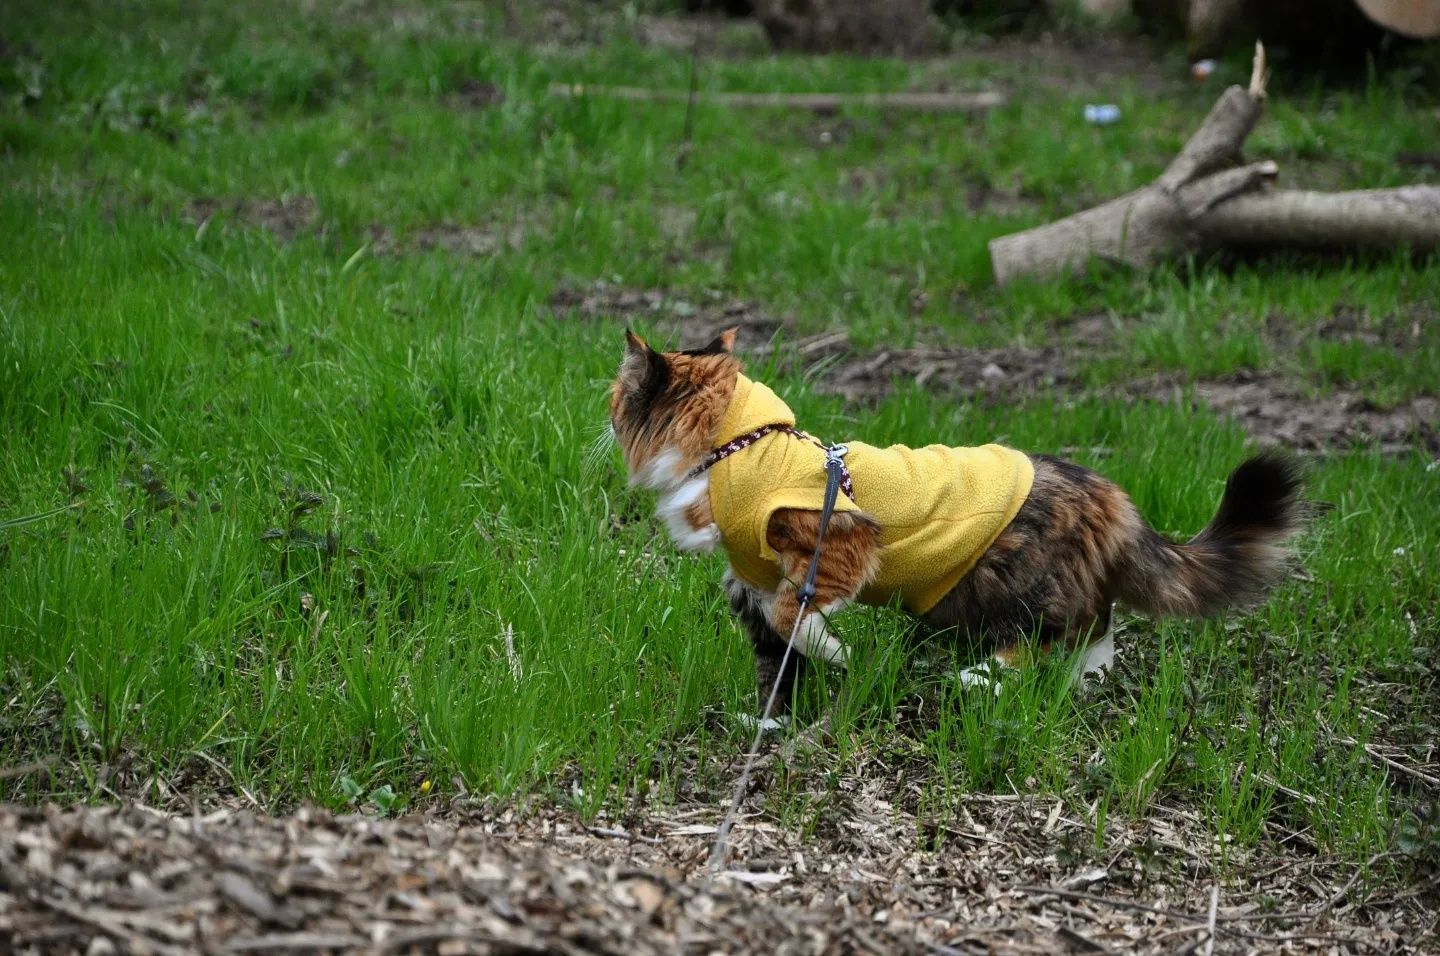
{"points": [[836, 452]]}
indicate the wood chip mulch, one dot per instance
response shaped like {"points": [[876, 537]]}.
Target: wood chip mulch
{"points": [[133, 879]]}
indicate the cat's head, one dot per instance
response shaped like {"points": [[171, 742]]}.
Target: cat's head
{"points": [[666, 407]]}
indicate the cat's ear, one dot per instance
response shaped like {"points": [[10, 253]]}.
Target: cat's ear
{"points": [[642, 365], [635, 345], [724, 343]]}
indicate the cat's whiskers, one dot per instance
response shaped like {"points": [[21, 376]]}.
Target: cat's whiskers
{"points": [[596, 451]]}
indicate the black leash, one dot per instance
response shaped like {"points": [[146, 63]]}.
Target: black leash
{"points": [[836, 475], [835, 472]]}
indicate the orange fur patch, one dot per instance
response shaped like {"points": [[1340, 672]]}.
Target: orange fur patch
{"points": [[699, 515], [849, 560]]}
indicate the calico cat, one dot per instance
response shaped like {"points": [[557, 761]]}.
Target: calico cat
{"points": [[990, 542]]}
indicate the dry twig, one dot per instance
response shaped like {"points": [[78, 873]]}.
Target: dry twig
{"points": [[1392, 764], [1210, 922]]}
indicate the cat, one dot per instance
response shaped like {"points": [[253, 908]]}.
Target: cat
{"points": [[1000, 546]]}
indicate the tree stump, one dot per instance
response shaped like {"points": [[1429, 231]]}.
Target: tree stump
{"points": [[1209, 199]]}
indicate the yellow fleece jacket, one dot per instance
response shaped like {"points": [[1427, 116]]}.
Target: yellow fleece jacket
{"points": [[940, 507]]}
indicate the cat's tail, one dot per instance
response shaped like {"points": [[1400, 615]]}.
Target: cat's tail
{"points": [[1234, 562]]}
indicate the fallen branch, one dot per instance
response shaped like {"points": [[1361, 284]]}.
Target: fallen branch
{"points": [[1209, 947], [1208, 199], [820, 102], [1409, 216], [1391, 763]]}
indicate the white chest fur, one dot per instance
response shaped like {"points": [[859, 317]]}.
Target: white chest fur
{"points": [[673, 509], [678, 491]]}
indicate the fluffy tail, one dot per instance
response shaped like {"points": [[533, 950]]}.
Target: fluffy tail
{"points": [[1239, 556]]}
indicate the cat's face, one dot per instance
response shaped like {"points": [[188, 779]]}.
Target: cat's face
{"points": [[666, 407]]}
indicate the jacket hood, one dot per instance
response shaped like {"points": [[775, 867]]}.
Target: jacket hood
{"points": [[753, 405]]}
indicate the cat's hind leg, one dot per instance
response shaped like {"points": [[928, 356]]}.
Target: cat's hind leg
{"points": [[1098, 655]]}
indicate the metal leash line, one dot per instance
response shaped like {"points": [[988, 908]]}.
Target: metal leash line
{"points": [[834, 472], [717, 852]]}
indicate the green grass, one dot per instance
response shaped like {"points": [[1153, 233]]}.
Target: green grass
{"points": [[272, 506]]}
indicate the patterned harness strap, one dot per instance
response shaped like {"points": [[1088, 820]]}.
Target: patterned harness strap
{"points": [[749, 438]]}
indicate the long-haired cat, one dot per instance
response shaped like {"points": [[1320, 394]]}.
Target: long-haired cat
{"points": [[999, 545]]}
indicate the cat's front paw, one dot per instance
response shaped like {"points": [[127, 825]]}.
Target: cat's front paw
{"points": [[989, 674], [769, 725]]}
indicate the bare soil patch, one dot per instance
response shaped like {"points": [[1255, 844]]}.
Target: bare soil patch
{"points": [[973, 192], [1274, 409], [691, 321], [1013, 371], [285, 217], [471, 240], [461, 240], [711, 35], [1010, 203], [1007, 875], [475, 94], [1054, 59], [1404, 332], [1275, 412], [686, 320]]}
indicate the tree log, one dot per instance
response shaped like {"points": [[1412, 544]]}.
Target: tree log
{"points": [[1375, 218], [958, 102], [1208, 199]]}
